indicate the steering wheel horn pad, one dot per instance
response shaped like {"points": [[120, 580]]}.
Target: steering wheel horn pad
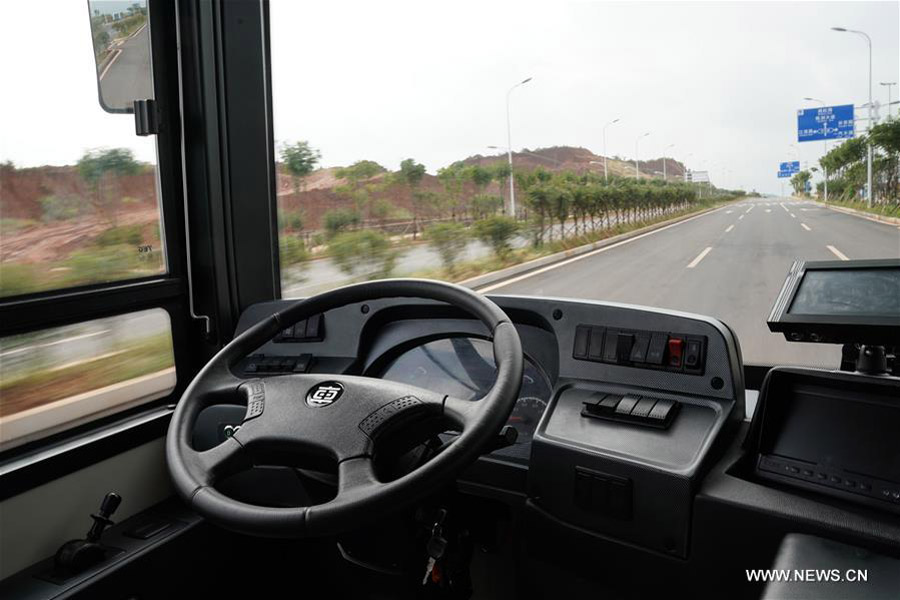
{"points": [[340, 417]]}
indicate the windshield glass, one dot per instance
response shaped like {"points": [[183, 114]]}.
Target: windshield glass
{"points": [[656, 131]]}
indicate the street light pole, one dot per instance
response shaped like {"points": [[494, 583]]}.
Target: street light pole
{"points": [[512, 187], [869, 189], [605, 170], [637, 169], [888, 84], [665, 177], [825, 131]]}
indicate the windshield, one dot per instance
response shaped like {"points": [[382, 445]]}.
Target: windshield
{"points": [[682, 152]]}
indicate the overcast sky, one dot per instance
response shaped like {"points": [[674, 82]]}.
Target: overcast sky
{"points": [[428, 80]]}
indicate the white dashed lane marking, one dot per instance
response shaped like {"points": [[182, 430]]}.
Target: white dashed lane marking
{"points": [[837, 253], [740, 217], [700, 257], [805, 226], [730, 227]]}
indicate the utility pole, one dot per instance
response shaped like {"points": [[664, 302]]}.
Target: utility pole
{"points": [[605, 169], [869, 190], [512, 187], [637, 168]]}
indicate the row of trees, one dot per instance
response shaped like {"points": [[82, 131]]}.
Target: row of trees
{"points": [[846, 166], [553, 206]]}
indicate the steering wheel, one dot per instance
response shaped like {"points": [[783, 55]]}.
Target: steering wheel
{"points": [[336, 417]]}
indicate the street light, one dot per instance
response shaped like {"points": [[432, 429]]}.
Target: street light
{"points": [[665, 178], [637, 169], [825, 130], [888, 84], [605, 170], [871, 122], [512, 187]]}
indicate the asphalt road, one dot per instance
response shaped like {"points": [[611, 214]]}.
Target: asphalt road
{"points": [[730, 264], [127, 77]]}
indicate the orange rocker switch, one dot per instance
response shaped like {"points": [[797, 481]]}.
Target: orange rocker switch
{"points": [[676, 350]]}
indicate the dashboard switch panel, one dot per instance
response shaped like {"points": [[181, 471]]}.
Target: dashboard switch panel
{"points": [[642, 349]]}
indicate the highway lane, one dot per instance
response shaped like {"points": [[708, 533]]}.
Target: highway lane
{"points": [[730, 264], [127, 77]]}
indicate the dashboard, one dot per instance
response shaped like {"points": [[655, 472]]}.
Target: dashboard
{"points": [[618, 413], [463, 367]]}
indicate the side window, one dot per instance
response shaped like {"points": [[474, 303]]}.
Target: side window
{"points": [[59, 377], [78, 189], [80, 209]]}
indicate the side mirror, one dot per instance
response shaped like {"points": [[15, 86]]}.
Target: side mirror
{"points": [[120, 32]]}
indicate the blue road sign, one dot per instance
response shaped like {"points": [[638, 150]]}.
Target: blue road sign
{"points": [[785, 173], [825, 123], [790, 167]]}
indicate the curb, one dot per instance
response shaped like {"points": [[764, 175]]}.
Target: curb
{"points": [[859, 213], [487, 279]]}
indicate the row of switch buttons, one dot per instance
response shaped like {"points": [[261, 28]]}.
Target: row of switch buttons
{"points": [[631, 408], [308, 330], [639, 348], [259, 363], [833, 480]]}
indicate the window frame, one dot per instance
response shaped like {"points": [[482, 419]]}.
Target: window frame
{"points": [[216, 178], [28, 465]]}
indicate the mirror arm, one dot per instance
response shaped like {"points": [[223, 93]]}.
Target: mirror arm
{"points": [[146, 117]]}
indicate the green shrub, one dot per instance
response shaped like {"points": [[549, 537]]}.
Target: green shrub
{"points": [[61, 208], [100, 264], [497, 232], [292, 220], [337, 221], [292, 250], [10, 226], [449, 241], [366, 252], [122, 235]]}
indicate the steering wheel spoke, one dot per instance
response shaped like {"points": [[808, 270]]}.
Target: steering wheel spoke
{"points": [[356, 474]]}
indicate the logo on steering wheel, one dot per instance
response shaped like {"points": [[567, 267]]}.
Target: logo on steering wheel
{"points": [[323, 394]]}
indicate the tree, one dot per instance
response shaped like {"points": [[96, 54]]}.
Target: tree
{"points": [[411, 174], [300, 159], [485, 205], [359, 187], [366, 252], [798, 182], [497, 232], [449, 241], [101, 169], [339, 220]]}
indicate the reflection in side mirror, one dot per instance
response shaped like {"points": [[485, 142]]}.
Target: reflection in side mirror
{"points": [[121, 38]]}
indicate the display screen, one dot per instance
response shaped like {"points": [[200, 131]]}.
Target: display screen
{"points": [[865, 292], [855, 435]]}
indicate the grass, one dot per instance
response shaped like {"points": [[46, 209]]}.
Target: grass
{"points": [[43, 385], [473, 268], [883, 209]]}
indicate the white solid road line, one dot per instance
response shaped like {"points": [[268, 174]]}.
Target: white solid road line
{"points": [[805, 226], [55, 343], [837, 253], [569, 261], [110, 63], [730, 227], [700, 257]]}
